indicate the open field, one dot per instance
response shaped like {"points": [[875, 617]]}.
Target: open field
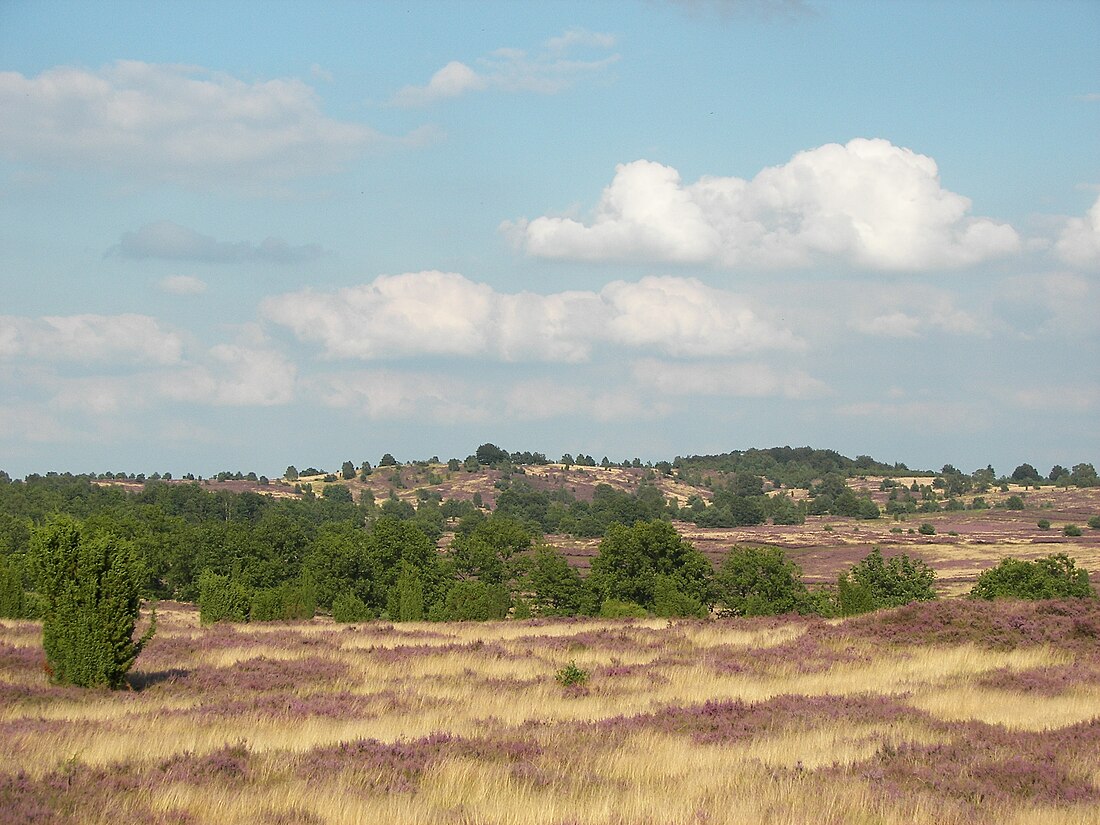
{"points": [[948, 712]]}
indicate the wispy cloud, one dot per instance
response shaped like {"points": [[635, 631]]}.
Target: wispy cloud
{"points": [[554, 68], [170, 241], [170, 122]]}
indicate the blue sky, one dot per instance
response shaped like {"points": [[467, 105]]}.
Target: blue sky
{"points": [[243, 235]]}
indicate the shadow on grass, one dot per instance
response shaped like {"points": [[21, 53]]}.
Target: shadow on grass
{"points": [[142, 680]]}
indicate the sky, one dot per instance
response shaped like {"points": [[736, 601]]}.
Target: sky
{"points": [[241, 235]]}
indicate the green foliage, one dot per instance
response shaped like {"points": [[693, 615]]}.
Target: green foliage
{"points": [[406, 598], [759, 581], [670, 601], [558, 589], [927, 529], [1043, 524], [89, 584], [571, 675], [222, 599], [631, 558], [875, 583], [1094, 522], [619, 609], [290, 601], [486, 552], [1071, 530], [1014, 503], [14, 603], [347, 607], [1053, 577], [475, 601]]}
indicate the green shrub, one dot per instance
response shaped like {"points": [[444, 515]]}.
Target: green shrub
{"points": [[760, 581], [1094, 522], [1053, 577], [474, 601], [13, 598], [571, 675], [221, 599], [670, 601], [1014, 503], [927, 529], [1071, 530], [619, 609], [347, 607], [1043, 524], [89, 585], [876, 582]]}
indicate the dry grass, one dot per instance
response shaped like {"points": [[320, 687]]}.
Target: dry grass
{"points": [[821, 724]]}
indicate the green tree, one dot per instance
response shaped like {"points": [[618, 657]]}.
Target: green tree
{"points": [[13, 598], [892, 582], [406, 598], [1053, 577], [631, 558], [347, 470], [471, 601], [291, 473], [759, 581], [89, 586], [1084, 475], [558, 589], [222, 599]]}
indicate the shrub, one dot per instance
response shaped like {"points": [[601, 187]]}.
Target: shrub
{"points": [[1043, 524], [13, 600], [1071, 530], [927, 529], [760, 581], [474, 601], [619, 609], [221, 599], [1014, 503], [1094, 522], [875, 583], [91, 597], [347, 607], [571, 675], [1054, 577]]}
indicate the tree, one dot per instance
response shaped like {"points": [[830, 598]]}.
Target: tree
{"points": [[1026, 474], [89, 585], [631, 558], [882, 583], [558, 588], [291, 473], [347, 470], [491, 455], [387, 460], [759, 581], [1084, 475], [1053, 577], [222, 599]]}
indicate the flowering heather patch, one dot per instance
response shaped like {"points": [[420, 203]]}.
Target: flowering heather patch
{"points": [[370, 765], [227, 764], [734, 721], [261, 674], [983, 764], [1072, 624], [814, 651], [1052, 680]]}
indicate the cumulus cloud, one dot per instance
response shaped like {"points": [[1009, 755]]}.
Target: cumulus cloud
{"points": [[170, 241], [234, 376], [384, 394], [182, 285], [171, 122], [912, 312], [513, 70], [733, 379], [109, 338], [868, 203], [1078, 244], [446, 314]]}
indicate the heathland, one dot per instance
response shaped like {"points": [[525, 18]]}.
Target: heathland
{"points": [[911, 704]]}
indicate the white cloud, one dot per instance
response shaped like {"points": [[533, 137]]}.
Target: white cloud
{"points": [[182, 285], [513, 70], [384, 394], [170, 241], [1077, 398], [171, 122], [110, 338], [741, 380], [235, 376], [912, 312], [1050, 304], [1079, 243], [869, 203], [438, 313]]}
